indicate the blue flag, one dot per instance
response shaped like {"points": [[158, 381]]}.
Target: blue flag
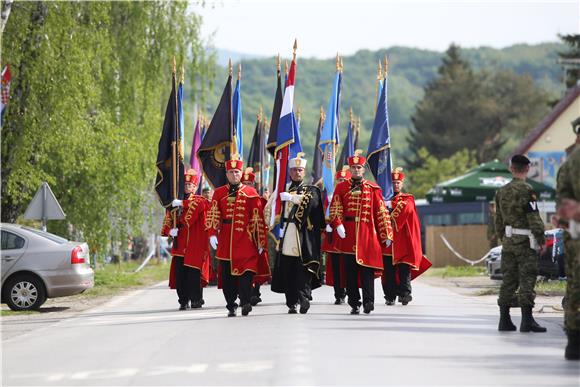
{"points": [[329, 138], [379, 153], [237, 107], [296, 146]]}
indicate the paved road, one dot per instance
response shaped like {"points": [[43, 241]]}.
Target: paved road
{"points": [[440, 339]]}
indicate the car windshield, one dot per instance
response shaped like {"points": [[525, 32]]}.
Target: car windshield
{"points": [[47, 235]]}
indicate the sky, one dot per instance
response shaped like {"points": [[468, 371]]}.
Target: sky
{"points": [[325, 27]]}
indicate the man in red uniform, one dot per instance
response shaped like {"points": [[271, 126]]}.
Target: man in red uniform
{"points": [[190, 264], [361, 219], [335, 273], [237, 231], [403, 260], [263, 275]]}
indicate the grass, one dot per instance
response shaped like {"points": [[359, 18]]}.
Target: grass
{"points": [[543, 288], [456, 271]]}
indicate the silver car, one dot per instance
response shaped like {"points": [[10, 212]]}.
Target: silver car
{"points": [[37, 265]]}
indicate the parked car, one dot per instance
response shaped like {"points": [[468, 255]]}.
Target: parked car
{"points": [[548, 262], [37, 265]]}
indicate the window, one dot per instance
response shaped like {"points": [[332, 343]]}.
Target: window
{"points": [[470, 218], [438, 219], [47, 235], [11, 241]]}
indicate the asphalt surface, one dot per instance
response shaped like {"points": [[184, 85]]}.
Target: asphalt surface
{"points": [[440, 339]]}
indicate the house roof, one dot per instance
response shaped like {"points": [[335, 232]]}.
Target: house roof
{"points": [[547, 121]]}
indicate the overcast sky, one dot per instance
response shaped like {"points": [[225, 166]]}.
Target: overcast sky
{"points": [[325, 27]]}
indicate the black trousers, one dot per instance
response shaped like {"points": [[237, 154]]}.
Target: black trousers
{"points": [[367, 278], [187, 282], [339, 292], [235, 285], [390, 287], [256, 290], [296, 278]]}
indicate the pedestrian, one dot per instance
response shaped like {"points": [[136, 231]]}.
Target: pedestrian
{"points": [[568, 211], [335, 270], [298, 262], [404, 259], [189, 269], [521, 230], [237, 231], [362, 221]]}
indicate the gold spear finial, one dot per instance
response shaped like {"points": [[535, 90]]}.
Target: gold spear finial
{"points": [[230, 67], [259, 115], [298, 114], [182, 74], [239, 70], [286, 67], [337, 62], [174, 65], [341, 65], [321, 111], [350, 114], [294, 49], [386, 66], [278, 63], [380, 71]]}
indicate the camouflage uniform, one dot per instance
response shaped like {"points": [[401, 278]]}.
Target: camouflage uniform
{"points": [[568, 187], [517, 207]]}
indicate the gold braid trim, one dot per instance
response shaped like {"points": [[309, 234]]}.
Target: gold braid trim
{"points": [[398, 208], [212, 219], [336, 209], [302, 208], [190, 210], [257, 229]]}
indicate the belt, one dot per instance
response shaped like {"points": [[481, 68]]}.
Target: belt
{"points": [[350, 218], [509, 231], [226, 221]]}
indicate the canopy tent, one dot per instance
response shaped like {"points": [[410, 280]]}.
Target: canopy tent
{"points": [[481, 184]]}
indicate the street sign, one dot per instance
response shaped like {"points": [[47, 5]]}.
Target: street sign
{"points": [[44, 206]]}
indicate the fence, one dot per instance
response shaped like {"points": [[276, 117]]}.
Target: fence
{"points": [[468, 240]]}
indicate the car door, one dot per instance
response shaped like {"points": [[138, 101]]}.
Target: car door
{"points": [[13, 247]]}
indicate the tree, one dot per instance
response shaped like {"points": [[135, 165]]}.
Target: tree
{"points": [[90, 81], [480, 111], [573, 69]]}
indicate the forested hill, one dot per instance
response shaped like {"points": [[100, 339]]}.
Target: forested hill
{"points": [[410, 70]]}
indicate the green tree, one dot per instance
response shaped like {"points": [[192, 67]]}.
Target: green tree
{"points": [[90, 81], [572, 42]]}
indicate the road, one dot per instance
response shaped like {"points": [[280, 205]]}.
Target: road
{"points": [[441, 339]]}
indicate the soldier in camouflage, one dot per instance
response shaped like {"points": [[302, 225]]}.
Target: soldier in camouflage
{"points": [[568, 207], [521, 230]]}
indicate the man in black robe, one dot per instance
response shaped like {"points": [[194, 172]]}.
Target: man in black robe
{"points": [[296, 271]]}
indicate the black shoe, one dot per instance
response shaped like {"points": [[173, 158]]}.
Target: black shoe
{"points": [[202, 301], [390, 302], [246, 309], [292, 310], [337, 301], [528, 323], [304, 306], [355, 310], [572, 351], [255, 300], [196, 304], [405, 299], [505, 321], [232, 310], [183, 307], [368, 307]]}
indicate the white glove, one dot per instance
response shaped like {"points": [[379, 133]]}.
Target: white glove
{"points": [[388, 243], [173, 232], [177, 203], [285, 196], [281, 232], [341, 231], [260, 250], [388, 203], [328, 228], [213, 242]]}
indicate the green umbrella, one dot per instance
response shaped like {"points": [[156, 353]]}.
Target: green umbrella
{"points": [[481, 184]]}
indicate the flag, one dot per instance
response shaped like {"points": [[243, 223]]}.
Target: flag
{"points": [[284, 139], [379, 153], [5, 91], [273, 133], [348, 147], [257, 150], [317, 159], [169, 182], [195, 143], [329, 138], [180, 143], [296, 146], [215, 146], [238, 130]]}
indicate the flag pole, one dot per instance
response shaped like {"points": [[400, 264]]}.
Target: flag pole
{"points": [[233, 145], [379, 78], [174, 145]]}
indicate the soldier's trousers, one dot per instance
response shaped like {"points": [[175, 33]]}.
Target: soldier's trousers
{"points": [[572, 310], [297, 279], [339, 292], [235, 285], [389, 280], [367, 279], [187, 282], [519, 268]]}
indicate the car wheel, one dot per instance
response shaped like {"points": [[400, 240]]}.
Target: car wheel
{"points": [[25, 292]]}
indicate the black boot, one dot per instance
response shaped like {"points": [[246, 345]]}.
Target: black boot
{"points": [[505, 321], [246, 309], [528, 323], [573, 346]]}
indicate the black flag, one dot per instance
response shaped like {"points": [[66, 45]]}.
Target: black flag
{"points": [[317, 162], [169, 182], [277, 109], [215, 146]]}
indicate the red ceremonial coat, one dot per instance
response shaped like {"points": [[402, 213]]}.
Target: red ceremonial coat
{"points": [[263, 275], [238, 222], [330, 246], [366, 220], [190, 242]]}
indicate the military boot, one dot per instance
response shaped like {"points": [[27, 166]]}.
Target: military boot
{"points": [[573, 346], [528, 323], [505, 321]]}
